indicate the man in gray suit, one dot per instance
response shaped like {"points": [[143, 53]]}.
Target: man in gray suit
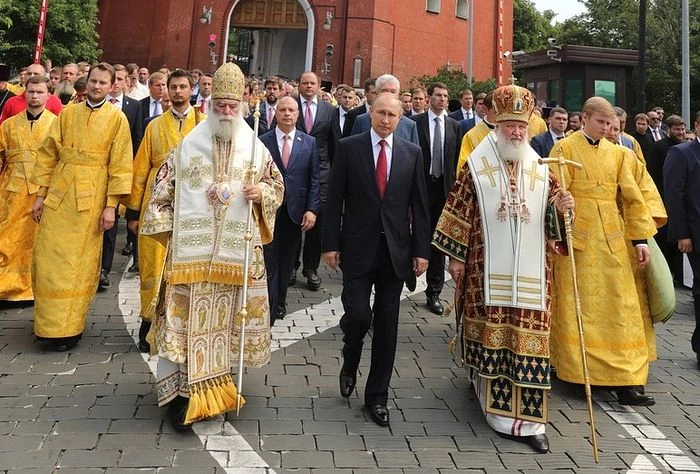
{"points": [[406, 128]]}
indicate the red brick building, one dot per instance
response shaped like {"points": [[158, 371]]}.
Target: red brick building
{"points": [[341, 40]]}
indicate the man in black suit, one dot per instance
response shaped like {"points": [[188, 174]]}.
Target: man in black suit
{"points": [[440, 138], [466, 111], [131, 109], [346, 98], [296, 156], [151, 106], [273, 92], [315, 119], [370, 94], [544, 142], [682, 199], [642, 134], [377, 189]]}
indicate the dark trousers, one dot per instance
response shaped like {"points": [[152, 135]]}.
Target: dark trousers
{"points": [[674, 258], [312, 246], [109, 242], [435, 275], [694, 259], [357, 319], [279, 258]]}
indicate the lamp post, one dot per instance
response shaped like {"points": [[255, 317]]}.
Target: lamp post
{"points": [[470, 62]]}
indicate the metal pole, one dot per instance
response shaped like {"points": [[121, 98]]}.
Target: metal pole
{"points": [[641, 95], [470, 62], [41, 31], [685, 55]]}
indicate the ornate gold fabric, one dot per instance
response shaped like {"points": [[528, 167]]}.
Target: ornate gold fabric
{"points": [[83, 165], [228, 82], [470, 142], [613, 322], [513, 102], [161, 136], [18, 147], [536, 125]]}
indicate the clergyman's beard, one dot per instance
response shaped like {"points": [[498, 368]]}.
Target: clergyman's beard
{"points": [[224, 129], [509, 150]]}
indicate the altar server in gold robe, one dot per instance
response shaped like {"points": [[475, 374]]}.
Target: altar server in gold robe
{"points": [[83, 168], [20, 136], [474, 136], [200, 206], [612, 318], [162, 135]]}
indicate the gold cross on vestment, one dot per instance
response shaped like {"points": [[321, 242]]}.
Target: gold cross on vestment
{"points": [[534, 176], [196, 172], [258, 264], [489, 171]]}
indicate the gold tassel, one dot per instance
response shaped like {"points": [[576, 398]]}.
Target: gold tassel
{"points": [[452, 346], [193, 407], [448, 310]]}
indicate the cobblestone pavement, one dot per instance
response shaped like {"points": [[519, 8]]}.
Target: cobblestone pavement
{"points": [[92, 410]]}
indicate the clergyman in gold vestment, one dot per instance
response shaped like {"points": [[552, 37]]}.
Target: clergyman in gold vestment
{"points": [[200, 203], [83, 168], [613, 325], [162, 135], [20, 136]]}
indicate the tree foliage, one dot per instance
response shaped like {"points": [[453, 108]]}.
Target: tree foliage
{"points": [[615, 24], [456, 81], [71, 31], [531, 28]]}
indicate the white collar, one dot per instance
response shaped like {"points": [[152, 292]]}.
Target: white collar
{"points": [[179, 115], [376, 138], [432, 116], [313, 100], [280, 134]]}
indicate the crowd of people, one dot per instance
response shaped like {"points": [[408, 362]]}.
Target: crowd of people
{"points": [[382, 183]]}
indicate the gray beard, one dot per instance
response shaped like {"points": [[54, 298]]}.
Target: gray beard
{"points": [[508, 150], [223, 129]]}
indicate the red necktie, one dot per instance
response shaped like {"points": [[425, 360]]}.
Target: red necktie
{"points": [[286, 151], [203, 108], [113, 100], [381, 170]]}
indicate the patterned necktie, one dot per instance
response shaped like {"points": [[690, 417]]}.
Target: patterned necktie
{"points": [[270, 114], [286, 151], [436, 168], [113, 101], [308, 119], [156, 108], [381, 169]]}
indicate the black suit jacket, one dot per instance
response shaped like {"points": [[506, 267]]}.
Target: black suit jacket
{"points": [[542, 144], [132, 108], [335, 124], [301, 181], [682, 192], [351, 117], [323, 133], [453, 141], [645, 141], [356, 216], [656, 159]]}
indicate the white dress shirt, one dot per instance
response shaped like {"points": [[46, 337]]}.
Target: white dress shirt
{"points": [[555, 137], [387, 150], [158, 111], [341, 117], [119, 103], [467, 114]]}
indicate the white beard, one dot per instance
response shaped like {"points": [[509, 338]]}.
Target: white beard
{"points": [[510, 150], [224, 129]]}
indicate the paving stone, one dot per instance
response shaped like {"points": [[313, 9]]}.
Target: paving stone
{"points": [[354, 459], [143, 458], [71, 441], [86, 458], [288, 442], [395, 459], [307, 459], [328, 442], [131, 440]]}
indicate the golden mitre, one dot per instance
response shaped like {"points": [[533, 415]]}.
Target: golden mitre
{"points": [[228, 82], [513, 103]]}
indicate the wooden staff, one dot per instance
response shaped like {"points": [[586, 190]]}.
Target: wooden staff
{"points": [[248, 237], [562, 162]]}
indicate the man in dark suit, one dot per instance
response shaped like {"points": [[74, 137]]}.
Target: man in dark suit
{"points": [[377, 190], [439, 138], [131, 108], [544, 142], [682, 199], [346, 98], [466, 110], [151, 106], [296, 156], [642, 134], [273, 92], [466, 125], [406, 128], [370, 94], [315, 119]]}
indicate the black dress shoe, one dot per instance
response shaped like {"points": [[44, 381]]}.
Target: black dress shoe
{"points": [[293, 278], [435, 305], [63, 344], [177, 411], [347, 384], [104, 281], [126, 251], [281, 311], [630, 396], [379, 414], [313, 281], [539, 443]]}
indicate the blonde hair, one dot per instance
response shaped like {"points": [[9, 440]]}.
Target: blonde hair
{"points": [[598, 104]]}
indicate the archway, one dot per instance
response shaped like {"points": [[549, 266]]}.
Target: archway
{"points": [[270, 36]]}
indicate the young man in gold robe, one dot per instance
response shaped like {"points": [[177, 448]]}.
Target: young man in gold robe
{"points": [[20, 136], [161, 136], [477, 133], [200, 206], [495, 228], [83, 168], [614, 327]]}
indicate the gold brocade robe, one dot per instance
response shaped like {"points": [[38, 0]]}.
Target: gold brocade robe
{"points": [[470, 141], [161, 136], [83, 166], [536, 125], [613, 324], [19, 141]]}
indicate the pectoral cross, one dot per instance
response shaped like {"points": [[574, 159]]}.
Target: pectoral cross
{"points": [[489, 171], [534, 176], [196, 171]]}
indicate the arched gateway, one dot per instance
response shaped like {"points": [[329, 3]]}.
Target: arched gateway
{"points": [[270, 36]]}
